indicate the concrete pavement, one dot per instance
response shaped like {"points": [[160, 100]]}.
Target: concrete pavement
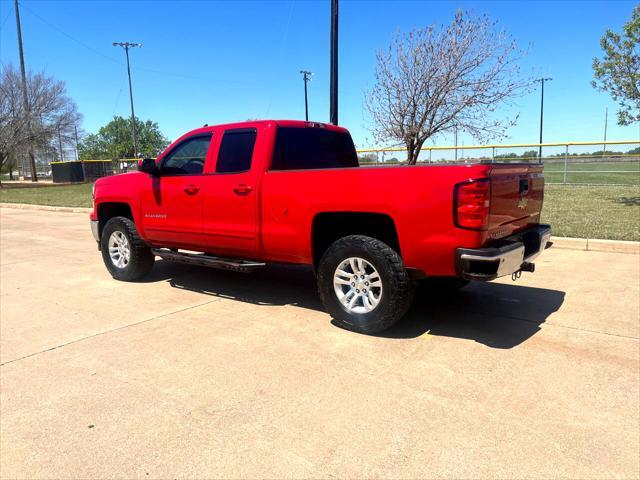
{"points": [[204, 373]]}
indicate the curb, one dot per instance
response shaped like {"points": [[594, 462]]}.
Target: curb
{"points": [[568, 243], [596, 245], [47, 208]]}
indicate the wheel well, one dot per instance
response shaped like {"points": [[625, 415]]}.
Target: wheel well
{"points": [[108, 210], [331, 226]]}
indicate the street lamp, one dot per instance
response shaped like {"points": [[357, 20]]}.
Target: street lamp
{"points": [[541, 80], [127, 46], [306, 77]]}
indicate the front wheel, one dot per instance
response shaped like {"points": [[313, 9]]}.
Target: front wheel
{"points": [[363, 284], [124, 253]]}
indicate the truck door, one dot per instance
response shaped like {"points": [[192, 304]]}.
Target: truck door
{"points": [[230, 195], [172, 201]]}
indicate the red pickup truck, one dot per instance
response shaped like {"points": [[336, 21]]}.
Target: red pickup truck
{"points": [[242, 195]]}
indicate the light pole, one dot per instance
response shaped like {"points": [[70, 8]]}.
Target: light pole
{"points": [[25, 98], [127, 46], [541, 80], [333, 87], [306, 77]]}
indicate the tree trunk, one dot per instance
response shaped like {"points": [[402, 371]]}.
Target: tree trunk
{"points": [[411, 157], [34, 172], [413, 151]]}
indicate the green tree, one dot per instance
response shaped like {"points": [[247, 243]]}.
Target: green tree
{"points": [[114, 140], [619, 71]]}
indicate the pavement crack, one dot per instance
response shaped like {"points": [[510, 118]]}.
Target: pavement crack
{"points": [[122, 327]]}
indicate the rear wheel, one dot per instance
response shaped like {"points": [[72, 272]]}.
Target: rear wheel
{"points": [[363, 284], [124, 253]]}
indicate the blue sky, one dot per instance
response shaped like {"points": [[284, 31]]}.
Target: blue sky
{"points": [[214, 62]]}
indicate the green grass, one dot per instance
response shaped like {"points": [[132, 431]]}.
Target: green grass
{"points": [[572, 211], [593, 212], [579, 173], [61, 196]]}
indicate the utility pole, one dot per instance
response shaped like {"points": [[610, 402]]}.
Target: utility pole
{"points": [[455, 136], [604, 145], [541, 80], [333, 88], [25, 97], [127, 46], [75, 130], [60, 145], [306, 77]]}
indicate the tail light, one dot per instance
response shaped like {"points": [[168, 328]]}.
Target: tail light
{"points": [[471, 201]]}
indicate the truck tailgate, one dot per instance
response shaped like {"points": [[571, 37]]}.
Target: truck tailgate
{"points": [[517, 193]]}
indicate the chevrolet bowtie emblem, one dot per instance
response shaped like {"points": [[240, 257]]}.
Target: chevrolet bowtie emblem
{"points": [[523, 202]]}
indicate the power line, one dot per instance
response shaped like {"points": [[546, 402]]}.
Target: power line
{"points": [[97, 52], [150, 70], [115, 106]]}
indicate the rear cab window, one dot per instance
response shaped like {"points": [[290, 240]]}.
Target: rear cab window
{"points": [[313, 148]]}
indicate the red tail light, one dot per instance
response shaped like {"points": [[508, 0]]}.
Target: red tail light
{"points": [[471, 201]]}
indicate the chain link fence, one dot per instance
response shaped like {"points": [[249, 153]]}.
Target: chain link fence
{"points": [[566, 163]]}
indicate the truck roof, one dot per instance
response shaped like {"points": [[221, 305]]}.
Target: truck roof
{"points": [[253, 123]]}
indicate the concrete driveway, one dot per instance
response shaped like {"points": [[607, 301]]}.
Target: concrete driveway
{"points": [[203, 373]]}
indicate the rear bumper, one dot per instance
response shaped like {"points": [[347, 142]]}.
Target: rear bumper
{"points": [[504, 257]]}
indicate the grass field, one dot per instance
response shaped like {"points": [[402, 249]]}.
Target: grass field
{"points": [[61, 196], [573, 211], [590, 173], [593, 212]]}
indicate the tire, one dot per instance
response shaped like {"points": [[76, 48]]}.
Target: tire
{"points": [[140, 259], [394, 296]]}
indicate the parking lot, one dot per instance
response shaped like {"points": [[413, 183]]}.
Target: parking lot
{"points": [[205, 373]]}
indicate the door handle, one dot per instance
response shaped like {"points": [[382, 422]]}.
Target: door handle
{"points": [[191, 189], [242, 189]]}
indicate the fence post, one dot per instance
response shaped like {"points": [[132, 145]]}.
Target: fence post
{"points": [[430, 152], [493, 154], [566, 154]]}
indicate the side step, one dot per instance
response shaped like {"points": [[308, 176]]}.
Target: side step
{"points": [[204, 260]]}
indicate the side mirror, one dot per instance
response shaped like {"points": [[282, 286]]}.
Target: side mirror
{"points": [[148, 165]]}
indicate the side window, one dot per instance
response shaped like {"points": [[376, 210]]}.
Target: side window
{"points": [[236, 150], [187, 158]]}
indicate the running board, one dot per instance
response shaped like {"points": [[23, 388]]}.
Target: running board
{"points": [[204, 260]]}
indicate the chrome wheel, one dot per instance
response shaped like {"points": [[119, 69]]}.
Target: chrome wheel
{"points": [[119, 250], [358, 285]]}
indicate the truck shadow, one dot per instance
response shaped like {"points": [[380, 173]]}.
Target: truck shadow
{"points": [[495, 314]]}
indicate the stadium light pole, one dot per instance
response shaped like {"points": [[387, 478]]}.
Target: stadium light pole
{"points": [[306, 77], [333, 88], [25, 99], [127, 46], [541, 80]]}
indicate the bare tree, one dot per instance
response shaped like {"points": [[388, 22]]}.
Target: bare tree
{"points": [[53, 114], [435, 79]]}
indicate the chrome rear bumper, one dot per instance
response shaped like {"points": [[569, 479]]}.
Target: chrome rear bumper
{"points": [[504, 257]]}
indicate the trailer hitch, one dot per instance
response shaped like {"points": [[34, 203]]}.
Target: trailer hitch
{"points": [[525, 267]]}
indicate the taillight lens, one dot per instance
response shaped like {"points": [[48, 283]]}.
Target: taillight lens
{"points": [[471, 201]]}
